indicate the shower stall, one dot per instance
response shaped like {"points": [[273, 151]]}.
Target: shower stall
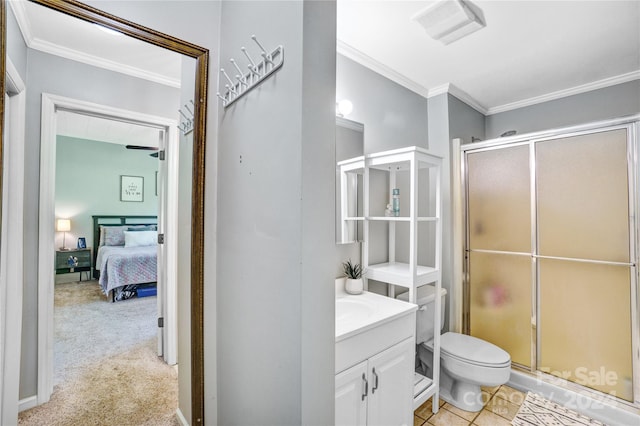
{"points": [[550, 254]]}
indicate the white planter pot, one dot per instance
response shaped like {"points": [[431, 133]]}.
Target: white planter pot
{"points": [[352, 286]]}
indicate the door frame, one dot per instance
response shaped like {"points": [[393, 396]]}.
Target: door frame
{"points": [[201, 55], [12, 261], [46, 243]]}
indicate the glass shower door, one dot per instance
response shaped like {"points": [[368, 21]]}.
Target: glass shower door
{"points": [[584, 261], [499, 249]]}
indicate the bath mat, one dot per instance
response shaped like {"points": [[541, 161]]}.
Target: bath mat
{"points": [[538, 411]]}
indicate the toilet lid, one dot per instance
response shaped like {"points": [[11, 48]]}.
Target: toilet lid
{"points": [[473, 350]]}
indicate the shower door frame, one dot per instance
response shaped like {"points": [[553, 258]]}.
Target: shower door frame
{"points": [[462, 247]]}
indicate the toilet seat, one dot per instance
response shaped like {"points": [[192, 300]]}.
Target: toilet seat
{"points": [[471, 350]]}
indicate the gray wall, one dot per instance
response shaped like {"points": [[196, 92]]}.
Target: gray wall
{"points": [[393, 116], [276, 243], [16, 48], [88, 183], [52, 74], [610, 102]]}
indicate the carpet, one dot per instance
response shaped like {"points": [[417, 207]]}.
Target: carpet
{"points": [[539, 411], [106, 371]]}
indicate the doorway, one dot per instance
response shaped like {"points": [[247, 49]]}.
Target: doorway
{"points": [[90, 14]]}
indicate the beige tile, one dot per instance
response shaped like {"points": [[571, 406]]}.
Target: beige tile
{"points": [[417, 421], [467, 415], [510, 394], [424, 411], [487, 418], [447, 418], [502, 407], [490, 390]]}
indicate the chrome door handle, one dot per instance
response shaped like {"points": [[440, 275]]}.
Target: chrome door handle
{"points": [[366, 386], [375, 382]]}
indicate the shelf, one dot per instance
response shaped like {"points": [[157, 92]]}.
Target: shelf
{"points": [[423, 389], [398, 273]]}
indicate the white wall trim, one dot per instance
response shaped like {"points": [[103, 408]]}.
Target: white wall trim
{"points": [[96, 61], [47, 217], [27, 403], [600, 84], [458, 93], [457, 239], [12, 251], [54, 49], [367, 61], [183, 421], [382, 69]]}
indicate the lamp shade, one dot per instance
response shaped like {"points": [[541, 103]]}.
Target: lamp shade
{"points": [[63, 225]]}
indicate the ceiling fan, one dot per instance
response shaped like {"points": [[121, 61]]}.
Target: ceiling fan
{"points": [[144, 148]]}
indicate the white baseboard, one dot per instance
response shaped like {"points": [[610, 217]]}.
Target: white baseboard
{"points": [[181, 418], [27, 403]]}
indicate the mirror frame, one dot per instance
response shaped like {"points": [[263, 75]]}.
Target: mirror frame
{"points": [[201, 55]]}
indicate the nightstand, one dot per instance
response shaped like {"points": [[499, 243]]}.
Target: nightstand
{"points": [[73, 260]]}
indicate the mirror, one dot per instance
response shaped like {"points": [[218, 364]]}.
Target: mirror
{"points": [[50, 78], [349, 180]]}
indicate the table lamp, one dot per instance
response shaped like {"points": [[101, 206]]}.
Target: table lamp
{"points": [[63, 225]]}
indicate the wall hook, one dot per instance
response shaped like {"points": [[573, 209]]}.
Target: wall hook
{"points": [[258, 72]]}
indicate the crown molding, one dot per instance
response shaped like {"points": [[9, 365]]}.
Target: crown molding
{"points": [[600, 84], [454, 90], [96, 61], [54, 49], [367, 61]]}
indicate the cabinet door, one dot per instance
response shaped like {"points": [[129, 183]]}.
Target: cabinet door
{"points": [[391, 385], [351, 396]]}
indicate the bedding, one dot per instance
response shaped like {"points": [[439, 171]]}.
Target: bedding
{"points": [[123, 266]]}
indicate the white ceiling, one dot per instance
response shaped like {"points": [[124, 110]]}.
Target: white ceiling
{"points": [[529, 51], [105, 130]]}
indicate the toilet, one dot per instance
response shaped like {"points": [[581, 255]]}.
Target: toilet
{"points": [[466, 362]]}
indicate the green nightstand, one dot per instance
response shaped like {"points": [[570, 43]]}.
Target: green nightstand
{"points": [[73, 260]]}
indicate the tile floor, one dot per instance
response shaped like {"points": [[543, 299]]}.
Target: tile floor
{"points": [[502, 404]]}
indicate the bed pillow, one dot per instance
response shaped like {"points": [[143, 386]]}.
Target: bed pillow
{"points": [[113, 235], [143, 228], [140, 238]]}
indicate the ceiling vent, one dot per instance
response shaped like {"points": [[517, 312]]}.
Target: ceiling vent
{"points": [[449, 20]]}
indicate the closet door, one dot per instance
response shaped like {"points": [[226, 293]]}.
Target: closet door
{"points": [[584, 260], [499, 261]]}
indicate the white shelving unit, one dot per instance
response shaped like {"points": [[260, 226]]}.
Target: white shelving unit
{"points": [[349, 219], [419, 263]]}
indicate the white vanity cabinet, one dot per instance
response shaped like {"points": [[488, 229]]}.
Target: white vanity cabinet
{"points": [[375, 352], [378, 391]]}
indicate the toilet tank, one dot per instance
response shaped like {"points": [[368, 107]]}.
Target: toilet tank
{"points": [[424, 317]]}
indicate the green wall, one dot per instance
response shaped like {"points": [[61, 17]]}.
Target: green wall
{"points": [[88, 183]]}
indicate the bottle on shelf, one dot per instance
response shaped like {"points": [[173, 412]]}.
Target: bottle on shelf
{"points": [[396, 201]]}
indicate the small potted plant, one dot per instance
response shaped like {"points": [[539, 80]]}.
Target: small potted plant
{"points": [[353, 272]]}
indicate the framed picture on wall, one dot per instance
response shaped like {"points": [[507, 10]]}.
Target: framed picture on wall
{"points": [[131, 188]]}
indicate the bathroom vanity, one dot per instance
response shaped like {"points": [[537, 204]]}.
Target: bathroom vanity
{"points": [[374, 354]]}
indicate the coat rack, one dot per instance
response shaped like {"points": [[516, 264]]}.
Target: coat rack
{"points": [[186, 122], [258, 72]]}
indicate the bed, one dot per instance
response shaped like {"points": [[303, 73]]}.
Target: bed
{"points": [[126, 256]]}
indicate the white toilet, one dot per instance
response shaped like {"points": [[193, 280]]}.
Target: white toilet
{"points": [[466, 362]]}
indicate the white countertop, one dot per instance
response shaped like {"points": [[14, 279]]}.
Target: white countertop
{"points": [[358, 313]]}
